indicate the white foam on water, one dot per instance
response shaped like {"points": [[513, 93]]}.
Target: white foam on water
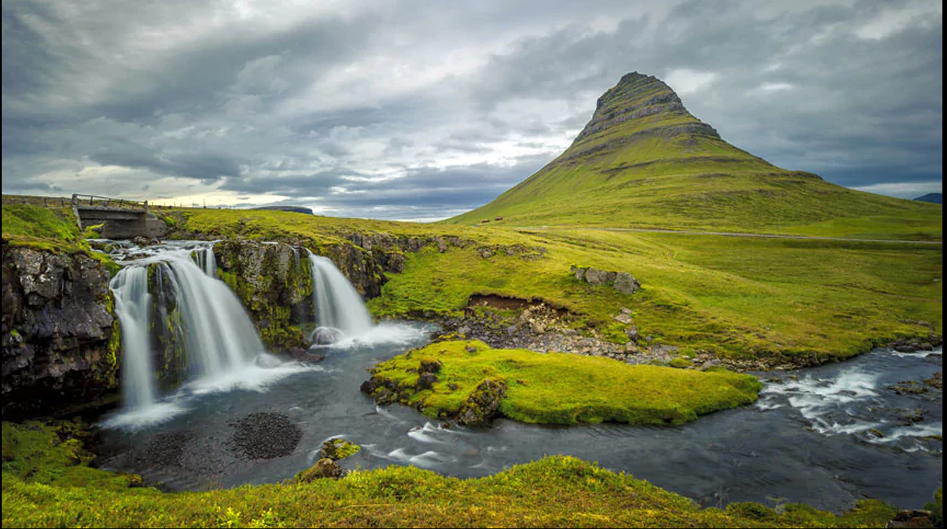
{"points": [[813, 396], [826, 403], [398, 454], [249, 377], [431, 459], [427, 433], [387, 414], [385, 333], [915, 430], [133, 419]]}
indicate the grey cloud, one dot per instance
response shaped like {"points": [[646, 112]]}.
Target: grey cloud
{"points": [[300, 105]]}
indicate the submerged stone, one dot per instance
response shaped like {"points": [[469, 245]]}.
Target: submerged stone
{"points": [[326, 336]]}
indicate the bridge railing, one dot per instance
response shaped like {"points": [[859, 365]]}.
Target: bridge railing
{"points": [[108, 202]]}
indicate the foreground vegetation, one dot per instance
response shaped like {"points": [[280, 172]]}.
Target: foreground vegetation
{"points": [[47, 483], [558, 388]]}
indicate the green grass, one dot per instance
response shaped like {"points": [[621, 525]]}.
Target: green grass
{"points": [[798, 301], [52, 228], [47, 483], [619, 177], [557, 388]]}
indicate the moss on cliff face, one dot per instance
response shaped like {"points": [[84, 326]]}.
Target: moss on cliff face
{"points": [[275, 285]]}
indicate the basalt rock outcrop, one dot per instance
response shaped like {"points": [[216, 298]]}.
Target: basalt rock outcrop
{"points": [[274, 282], [620, 281], [59, 339]]}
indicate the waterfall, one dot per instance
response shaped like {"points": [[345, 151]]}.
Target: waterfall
{"points": [[218, 333], [218, 336], [336, 302], [205, 259], [133, 307]]}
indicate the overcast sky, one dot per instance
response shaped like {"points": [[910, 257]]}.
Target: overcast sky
{"points": [[423, 110]]}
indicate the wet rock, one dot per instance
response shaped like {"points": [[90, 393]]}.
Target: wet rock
{"points": [[326, 336], [338, 448], [145, 241], [324, 468], [936, 381], [909, 417], [265, 435], [56, 331]]}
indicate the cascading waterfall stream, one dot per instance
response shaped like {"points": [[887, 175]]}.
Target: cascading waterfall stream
{"points": [[133, 307], [336, 302], [218, 336]]}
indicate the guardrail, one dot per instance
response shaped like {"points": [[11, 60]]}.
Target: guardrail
{"points": [[78, 200]]}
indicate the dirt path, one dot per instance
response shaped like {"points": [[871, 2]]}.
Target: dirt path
{"points": [[728, 234]]}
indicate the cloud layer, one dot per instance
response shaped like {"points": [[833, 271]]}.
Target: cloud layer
{"points": [[420, 110]]}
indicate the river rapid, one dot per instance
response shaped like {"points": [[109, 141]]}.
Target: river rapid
{"points": [[825, 436]]}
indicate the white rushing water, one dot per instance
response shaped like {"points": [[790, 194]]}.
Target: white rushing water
{"points": [[219, 338], [133, 307], [336, 302]]}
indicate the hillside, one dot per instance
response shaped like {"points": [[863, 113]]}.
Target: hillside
{"points": [[644, 161], [933, 198]]}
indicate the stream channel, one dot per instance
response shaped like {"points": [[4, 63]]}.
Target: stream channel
{"points": [[825, 436]]}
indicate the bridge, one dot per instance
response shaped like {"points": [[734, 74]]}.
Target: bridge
{"points": [[120, 219]]}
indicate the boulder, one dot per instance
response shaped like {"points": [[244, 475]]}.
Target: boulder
{"points": [[626, 283], [326, 336], [483, 403], [426, 381], [620, 281], [430, 366], [324, 468], [338, 448]]}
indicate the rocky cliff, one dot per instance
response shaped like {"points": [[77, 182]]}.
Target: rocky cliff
{"points": [[59, 337]]}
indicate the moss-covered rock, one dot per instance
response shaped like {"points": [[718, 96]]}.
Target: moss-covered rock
{"points": [[338, 448], [324, 468], [274, 283]]}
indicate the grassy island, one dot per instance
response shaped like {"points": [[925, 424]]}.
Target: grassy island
{"points": [[556, 388]]}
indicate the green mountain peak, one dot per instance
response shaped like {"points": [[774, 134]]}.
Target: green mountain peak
{"points": [[644, 161]]}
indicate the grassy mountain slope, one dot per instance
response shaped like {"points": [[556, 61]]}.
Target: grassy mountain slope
{"points": [[645, 161]]}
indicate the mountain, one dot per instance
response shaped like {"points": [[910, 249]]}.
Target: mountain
{"points": [[933, 198], [294, 209], [644, 161]]}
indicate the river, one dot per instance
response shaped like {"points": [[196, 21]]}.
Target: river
{"points": [[824, 436]]}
